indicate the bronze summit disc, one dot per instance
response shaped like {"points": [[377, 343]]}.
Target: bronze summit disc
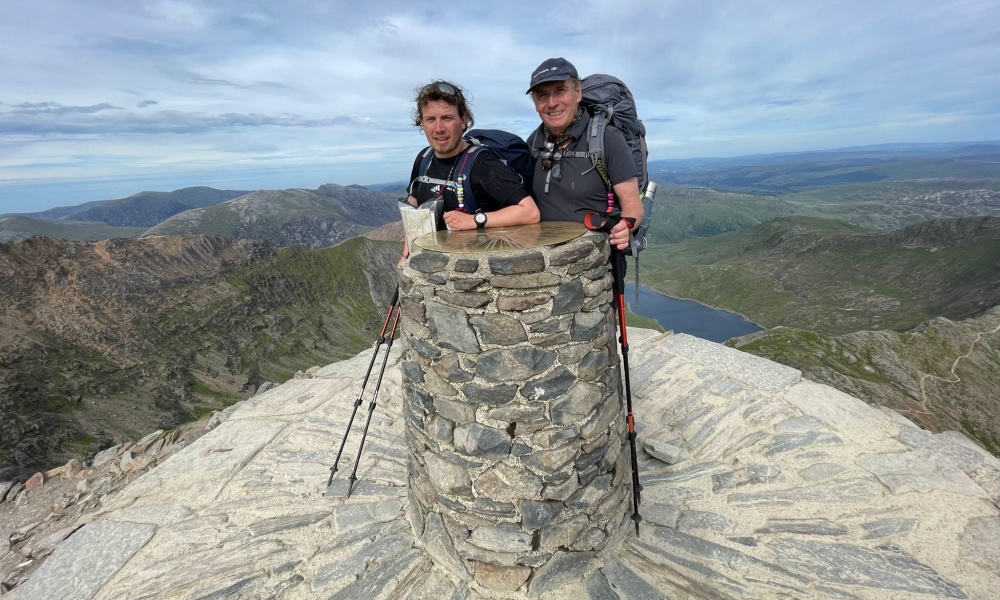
{"points": [[499, 239]]}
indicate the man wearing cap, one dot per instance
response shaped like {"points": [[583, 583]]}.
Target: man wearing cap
{"points": [[444, 116], [566, 185]]}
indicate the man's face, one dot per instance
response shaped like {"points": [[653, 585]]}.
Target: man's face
{"points": [[556, 103], [443, 127]]}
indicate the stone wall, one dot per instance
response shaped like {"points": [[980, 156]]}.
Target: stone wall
{"points": [[519, 469]]}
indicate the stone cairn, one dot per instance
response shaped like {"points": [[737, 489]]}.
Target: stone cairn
{"points": [[519, 465]]}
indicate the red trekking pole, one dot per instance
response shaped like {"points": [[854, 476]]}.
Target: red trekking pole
{"points": [[606, 223], [618, 274]]}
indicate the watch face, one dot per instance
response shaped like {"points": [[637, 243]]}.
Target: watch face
{"points": [[480, 218]]}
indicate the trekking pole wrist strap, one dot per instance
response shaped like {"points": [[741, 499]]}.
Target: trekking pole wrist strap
{"points": [[630, 221]]}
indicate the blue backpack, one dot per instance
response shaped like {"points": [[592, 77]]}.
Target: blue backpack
{"points": [[509, 148]]}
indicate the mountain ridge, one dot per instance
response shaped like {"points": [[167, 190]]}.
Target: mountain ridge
{"points": [[293, 217], [316, 218], [146, 209], [107, 340], [138, 209]]}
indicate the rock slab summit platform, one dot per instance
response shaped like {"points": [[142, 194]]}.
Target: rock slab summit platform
{"points": [[780, 488]]}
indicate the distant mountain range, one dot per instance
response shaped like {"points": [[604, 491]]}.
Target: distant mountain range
{"points": [[296, 217], [785, 173], [144, 209], [685, 212], [312, 218], [19, 227], [881, 187]]}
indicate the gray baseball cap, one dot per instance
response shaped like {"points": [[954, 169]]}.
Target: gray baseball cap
{"points": [[553, 69]]}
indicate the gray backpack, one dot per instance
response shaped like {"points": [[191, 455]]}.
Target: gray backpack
{"points": [[609, 100]]}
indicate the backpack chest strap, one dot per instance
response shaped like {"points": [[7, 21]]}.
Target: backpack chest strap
{"points": [[594, 156], [461, 185], [435, 181]]}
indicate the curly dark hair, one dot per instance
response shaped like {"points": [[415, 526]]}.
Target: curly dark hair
{"points": [[447, 92]]}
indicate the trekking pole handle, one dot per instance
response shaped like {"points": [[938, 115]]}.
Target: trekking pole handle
{"points": [[596, 221]]}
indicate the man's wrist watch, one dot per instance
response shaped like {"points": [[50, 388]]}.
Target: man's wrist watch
{"points": [[480, 219]]}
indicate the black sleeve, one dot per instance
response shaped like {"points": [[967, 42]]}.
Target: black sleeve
{"points": [[621, 165], [493, 183]]}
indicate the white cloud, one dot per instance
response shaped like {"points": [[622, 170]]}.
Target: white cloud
{"points": [[189, 15], [323, 90]]}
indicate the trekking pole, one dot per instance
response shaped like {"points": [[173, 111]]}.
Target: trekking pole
{"points": [[371, 405], [618, 274], [598, 222], [393, 305]]}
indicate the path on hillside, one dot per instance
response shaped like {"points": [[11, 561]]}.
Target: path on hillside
{"points": [[954, 376]]}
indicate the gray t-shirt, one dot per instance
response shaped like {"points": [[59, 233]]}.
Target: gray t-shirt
{"points": [[579, 187]]}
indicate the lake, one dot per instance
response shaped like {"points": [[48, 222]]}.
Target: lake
{"points": [[687, 316]]}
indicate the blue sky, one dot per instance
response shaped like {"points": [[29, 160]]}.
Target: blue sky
{"points": [[102, 99]]}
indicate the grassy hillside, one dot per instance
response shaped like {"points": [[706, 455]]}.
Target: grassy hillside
{"points": [[833, 277], [682, 213], [301, 308]]}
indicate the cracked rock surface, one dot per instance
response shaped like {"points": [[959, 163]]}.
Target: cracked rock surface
{"points": [[780, 487]]}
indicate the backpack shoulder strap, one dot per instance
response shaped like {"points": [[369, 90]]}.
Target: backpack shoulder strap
{"points": [[425, 163], [463, 184], [599, 120], [533, 143]]}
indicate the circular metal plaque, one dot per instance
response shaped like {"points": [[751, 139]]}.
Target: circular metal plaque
{"points": [[498, 239]]}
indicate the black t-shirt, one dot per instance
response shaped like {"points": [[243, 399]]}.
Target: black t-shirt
{"points": [[493, 184]]}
